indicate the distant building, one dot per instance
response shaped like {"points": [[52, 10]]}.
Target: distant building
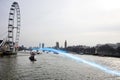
{"points": [[39, 45], [57, 44], [65, 44], [43, 45]]}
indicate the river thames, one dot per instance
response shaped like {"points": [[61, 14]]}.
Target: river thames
{"points": [[51, 66]]}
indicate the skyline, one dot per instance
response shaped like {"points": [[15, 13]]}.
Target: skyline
{"points": [[77, 21]]}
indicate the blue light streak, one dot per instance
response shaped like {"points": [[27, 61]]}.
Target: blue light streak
{"points": [[101, 67]]}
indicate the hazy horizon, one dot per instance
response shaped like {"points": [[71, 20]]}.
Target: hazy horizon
{"points": [[80, 22]]}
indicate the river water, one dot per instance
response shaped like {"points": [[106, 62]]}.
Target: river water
{"points": [[55, 67]]}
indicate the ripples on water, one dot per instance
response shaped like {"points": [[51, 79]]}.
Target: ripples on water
{"points": [[11, 67], [20, 68]]}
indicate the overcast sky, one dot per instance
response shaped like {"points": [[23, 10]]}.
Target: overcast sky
{"points": [[80, 22]]}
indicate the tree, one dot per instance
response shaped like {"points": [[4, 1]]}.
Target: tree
{"points": [[106, 50]]}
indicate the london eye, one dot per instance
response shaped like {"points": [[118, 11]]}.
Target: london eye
{"points": [[10, 44], [14, 26]]}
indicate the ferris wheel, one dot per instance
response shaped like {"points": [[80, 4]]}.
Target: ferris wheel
{"points": [[14, 26]]}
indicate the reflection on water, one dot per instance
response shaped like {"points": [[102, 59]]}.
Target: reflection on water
{"points": [[48, 67], [7, 67], [12, 66]]}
